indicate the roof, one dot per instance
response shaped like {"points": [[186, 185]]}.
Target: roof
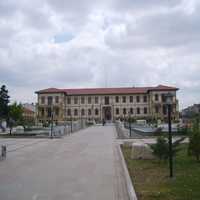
{"points": [[26, 110], [120, 90]]}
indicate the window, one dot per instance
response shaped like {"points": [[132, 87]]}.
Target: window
{"points": [[164, 110], [117, 111], [131, 111], [49, 112], [156, 97], [138, 99], [145, 110], [124, 111], [157, 109], [82, 112], [69, 100], [43, 100], [163, 98], [75, 112], [124, 99], [144, 98], [57, 99], [131, 99], [106, 100], [82, 100], [75, 100], [96, 100], [89, 100], [50, 100], [57, 112], [117, 99], [89, 112], [69, 112], [42, 112], [96, 111], [138, 110]]}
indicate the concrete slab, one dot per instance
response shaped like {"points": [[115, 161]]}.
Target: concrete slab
{"points": [[82, 166]]}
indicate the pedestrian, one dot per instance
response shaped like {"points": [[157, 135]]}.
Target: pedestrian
{"points": [[104, 122]]}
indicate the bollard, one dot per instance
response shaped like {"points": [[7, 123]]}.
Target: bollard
{"points": [[3, 152]]}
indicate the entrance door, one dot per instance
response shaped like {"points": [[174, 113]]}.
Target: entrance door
{"points": [[107, 113]]}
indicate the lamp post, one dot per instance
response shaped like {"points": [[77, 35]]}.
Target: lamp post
{"points": [[169, 101], [71, 123], [129, 120], [52, 122], [124, 121]]}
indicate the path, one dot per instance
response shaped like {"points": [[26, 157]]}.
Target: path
{"points": [[82, 166]]}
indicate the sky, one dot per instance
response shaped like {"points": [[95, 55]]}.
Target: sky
{"points": [[99, 43]]}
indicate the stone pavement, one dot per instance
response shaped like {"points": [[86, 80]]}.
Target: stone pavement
{"points": [[84, 165]]}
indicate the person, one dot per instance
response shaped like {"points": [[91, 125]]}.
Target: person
{"points": [[104, 122]]}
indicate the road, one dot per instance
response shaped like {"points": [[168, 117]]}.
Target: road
{"points": [[84, 165]]}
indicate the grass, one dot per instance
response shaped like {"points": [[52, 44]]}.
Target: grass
{"points": [[151, 177]]}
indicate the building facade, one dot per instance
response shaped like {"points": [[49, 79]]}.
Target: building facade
{"points": [[105, 103], [29, 113]]}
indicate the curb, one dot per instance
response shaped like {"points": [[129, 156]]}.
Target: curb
{"points": [[129, 185]]}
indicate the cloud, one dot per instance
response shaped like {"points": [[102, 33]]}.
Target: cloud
{"points": [[99, 43]]}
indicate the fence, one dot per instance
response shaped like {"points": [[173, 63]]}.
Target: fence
{"points": [[122, 133], [68, 128]]}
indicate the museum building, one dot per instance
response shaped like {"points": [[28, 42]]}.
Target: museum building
{"points": [[105, 103]]}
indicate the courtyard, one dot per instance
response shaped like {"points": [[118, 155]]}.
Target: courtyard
{"points": [[84, 165]]}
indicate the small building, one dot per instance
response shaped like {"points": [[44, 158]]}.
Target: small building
{"points": [[29, 112]]}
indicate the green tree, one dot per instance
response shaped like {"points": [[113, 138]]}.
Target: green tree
{"points": [[161, 147], [15, 115], [194, 141], [4, 100]]}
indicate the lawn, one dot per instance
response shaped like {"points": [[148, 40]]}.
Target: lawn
{"points": [[151, 177]]}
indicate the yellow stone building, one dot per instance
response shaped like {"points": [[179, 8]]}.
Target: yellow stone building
{"points": [[105, 103]]}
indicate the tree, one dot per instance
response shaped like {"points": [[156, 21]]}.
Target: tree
{"points": [[4, 100], [15, 115], [161, 147], [194, 141]]}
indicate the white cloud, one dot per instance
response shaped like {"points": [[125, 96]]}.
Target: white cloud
{"points": [[96, 43]]}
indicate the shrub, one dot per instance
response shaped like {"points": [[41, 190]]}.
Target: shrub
{"points": [[194, 141], [161, 148]]}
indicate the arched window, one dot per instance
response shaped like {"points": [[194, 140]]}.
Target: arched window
{"points": [[96, 111], [117, 111], [69, 112], [89, 112], [124, 111], [75, 112], [82, 112]]}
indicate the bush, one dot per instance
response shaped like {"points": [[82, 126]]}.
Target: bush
{"points": [[194, 141], [182, 130], [161, 148]]}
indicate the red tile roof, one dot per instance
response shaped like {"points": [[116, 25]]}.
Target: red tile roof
{"points": [[121, 90], [27, 111]]}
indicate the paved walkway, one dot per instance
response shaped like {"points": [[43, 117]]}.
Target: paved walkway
{"points": [[83, 166]]}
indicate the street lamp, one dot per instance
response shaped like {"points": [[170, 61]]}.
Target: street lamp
{"points": [[71, 123], [129, 119], [169, 102], [52, 122], [124, 120]]}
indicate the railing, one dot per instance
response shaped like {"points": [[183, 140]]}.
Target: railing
{"points": [[67, 128], [121, 131]]}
